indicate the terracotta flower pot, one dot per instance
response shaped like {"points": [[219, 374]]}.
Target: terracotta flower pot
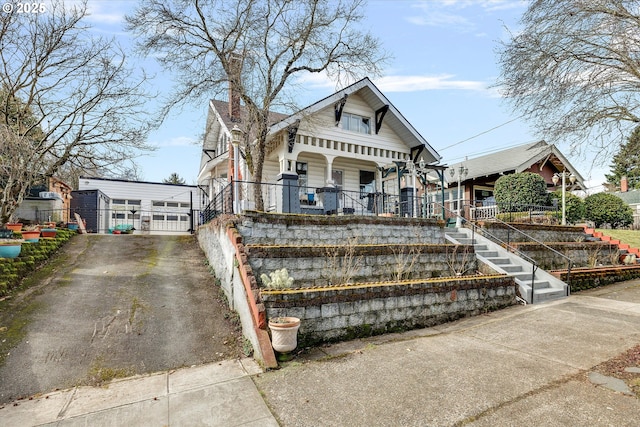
{"points": [[31, 236], [284, 333], [15, 226], [49, 232]]}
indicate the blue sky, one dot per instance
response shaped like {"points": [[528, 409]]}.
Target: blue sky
{"points": [[440, 79]]}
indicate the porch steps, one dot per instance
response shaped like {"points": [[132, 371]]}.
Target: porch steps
{"points": [[537, 288]]}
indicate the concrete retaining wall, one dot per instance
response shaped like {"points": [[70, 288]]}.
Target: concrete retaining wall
{"points": [[221, 253], [279, 229], [326, 265], [542, 233], [587, 254], [346, 312], [582, 279]]}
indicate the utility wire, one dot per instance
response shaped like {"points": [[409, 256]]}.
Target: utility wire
{"points": [[492, 150], [480, 134]]}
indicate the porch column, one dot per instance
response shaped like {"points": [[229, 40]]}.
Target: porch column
{"points": [[329, 176]]}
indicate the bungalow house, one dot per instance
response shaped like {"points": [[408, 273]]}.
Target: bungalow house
{"points": [[478, 175], [343, 154]]}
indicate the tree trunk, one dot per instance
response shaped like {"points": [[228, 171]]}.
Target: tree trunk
{"points": [[258, 164]]}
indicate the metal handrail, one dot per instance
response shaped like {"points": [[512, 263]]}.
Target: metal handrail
{"points": [[569, 260], [346, 196], [533, 262]]}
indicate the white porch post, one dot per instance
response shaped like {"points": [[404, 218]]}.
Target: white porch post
{"points": [[329, 175]]}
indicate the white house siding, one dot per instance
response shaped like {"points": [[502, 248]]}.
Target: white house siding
{"points": [[319, 134], [165, 205], [324, 127]]}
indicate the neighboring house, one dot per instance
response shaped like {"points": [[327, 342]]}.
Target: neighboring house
{"points": [[340, 155], [48, 201], [482, 172], [632, 198], [146, 206]]}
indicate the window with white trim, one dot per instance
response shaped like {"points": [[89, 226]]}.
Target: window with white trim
{"points": [[356, 123]]}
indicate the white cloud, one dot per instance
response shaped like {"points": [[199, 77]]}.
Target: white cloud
{"points": [[109, 13], [457, 13], [422, 83], [440, 19], [399, 83]]}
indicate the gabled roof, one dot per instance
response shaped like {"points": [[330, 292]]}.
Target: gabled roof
{"points": [[365, 88], [375, 99], [631, 197], [222, 107], [516, 159]]}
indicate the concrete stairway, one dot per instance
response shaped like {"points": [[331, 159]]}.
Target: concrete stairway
{"points": [[543, 287]]}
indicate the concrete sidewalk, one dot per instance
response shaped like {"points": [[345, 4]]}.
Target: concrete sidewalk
{"points": [[520, 366], [218, 394]]}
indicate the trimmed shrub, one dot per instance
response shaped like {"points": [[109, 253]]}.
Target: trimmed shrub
{"points": [[606, 208], [515, 191]]}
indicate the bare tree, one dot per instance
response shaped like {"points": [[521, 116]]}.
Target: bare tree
{"points": [[573, 70], [68, 99], [16, 172], [276, 40]]}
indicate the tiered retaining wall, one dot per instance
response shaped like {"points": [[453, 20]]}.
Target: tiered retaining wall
{"points": [[327, 265], [32, 255], [583, 254], [341, 312], [347, 312], [587, 278], [282, 229], [542, 233]]}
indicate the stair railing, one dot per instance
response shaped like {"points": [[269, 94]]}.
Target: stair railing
{"points": [[497, 240], [533, 239]]}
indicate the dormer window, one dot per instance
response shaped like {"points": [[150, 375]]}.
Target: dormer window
{"points": [[356, 123]]}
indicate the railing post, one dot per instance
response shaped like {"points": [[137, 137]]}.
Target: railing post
{"points": [[533, 281], [569, 264]]}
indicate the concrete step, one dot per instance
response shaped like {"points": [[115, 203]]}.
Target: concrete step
{"points": [[524, 276], [541, 285], [486, 254], [548, 294], [499, 260], [456, 235], [511, 268], [465, 241], [480, 248]]}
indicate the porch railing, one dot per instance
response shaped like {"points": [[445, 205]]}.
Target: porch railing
{"points": [[312, 200]]}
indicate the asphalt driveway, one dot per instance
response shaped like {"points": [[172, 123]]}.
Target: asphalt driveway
{"points": [[114, 306]]}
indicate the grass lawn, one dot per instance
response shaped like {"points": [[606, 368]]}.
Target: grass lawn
{"points": [[630, 237]]}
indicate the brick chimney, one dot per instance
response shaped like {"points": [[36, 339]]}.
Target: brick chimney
{"points": [[624, 184], [235, 69]]}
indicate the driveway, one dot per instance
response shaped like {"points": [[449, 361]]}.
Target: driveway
{"points": [[114, 306]]}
